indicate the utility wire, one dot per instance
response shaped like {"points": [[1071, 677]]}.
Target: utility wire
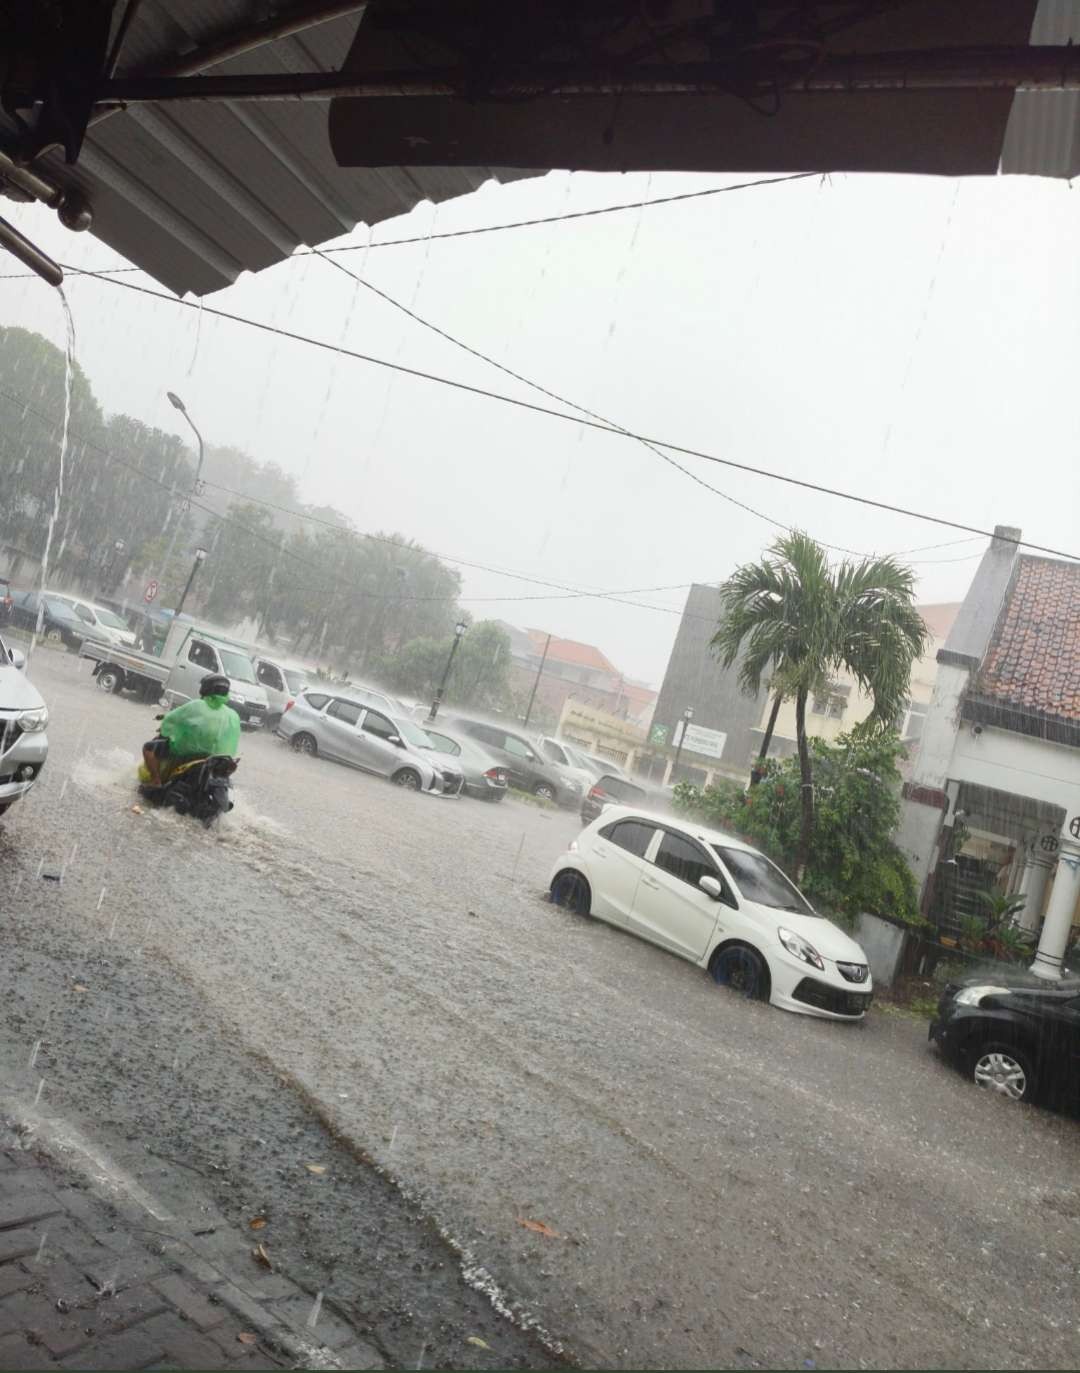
{"points": [[569, 592], [532, 406], [487, 228]]}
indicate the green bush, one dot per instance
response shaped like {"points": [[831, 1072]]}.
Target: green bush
{"points": [[854, 865]]}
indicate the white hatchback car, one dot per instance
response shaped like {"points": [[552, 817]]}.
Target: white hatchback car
{"points": [[718, 902]]}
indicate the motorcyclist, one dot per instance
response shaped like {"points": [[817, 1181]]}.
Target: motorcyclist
{"points": [[203, 728]]}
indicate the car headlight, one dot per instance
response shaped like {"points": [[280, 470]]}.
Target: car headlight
{"points": [[800, 947], [30, 721], [240, 700], [972, 996]]}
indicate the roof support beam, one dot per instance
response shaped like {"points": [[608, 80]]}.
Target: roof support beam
{"points": [[1053, 68]]}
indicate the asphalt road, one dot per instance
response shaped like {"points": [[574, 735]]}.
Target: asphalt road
{"points": [[349, 968]]}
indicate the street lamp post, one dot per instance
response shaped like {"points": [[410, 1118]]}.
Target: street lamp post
{"points": [[200, 557], [178, 404], [687, 716], [459, 631]]}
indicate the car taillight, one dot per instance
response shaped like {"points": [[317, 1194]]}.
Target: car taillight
{"points": [[496, 774], [288, 706], [595, 793]]}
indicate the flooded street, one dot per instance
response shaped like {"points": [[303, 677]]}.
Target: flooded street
{"points": [[349, 967]]}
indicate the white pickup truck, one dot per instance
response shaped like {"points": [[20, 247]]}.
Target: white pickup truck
{"points": [[189, 654]]}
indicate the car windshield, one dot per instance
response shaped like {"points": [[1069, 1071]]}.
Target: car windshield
{"points": [[108, 618], [237, 666], [443, 743], [762, 881], [296, 681], [412, 734]]}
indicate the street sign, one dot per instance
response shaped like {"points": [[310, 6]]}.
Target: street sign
{"points": [[709, 743], [150, 592], [659, 734]]}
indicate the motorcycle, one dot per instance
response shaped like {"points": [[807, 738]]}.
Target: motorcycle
{"points": [[199, 787]]}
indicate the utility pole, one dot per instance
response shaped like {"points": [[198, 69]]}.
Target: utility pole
{"points": [[200, 554], [539, 674]]}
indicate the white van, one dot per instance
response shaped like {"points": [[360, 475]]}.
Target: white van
{"points": [[282, 683]]}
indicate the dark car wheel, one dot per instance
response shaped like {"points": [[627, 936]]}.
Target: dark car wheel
{"points": [[742, 969], [54, 636], [304, 743], [110, 679], [1005, 1069], [545, 791], [571, 891], [406, 778]]}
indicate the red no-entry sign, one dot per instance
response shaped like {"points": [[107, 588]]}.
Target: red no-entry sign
{"points": [[150, 592]]}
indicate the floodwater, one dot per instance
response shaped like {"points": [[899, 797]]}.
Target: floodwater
{"points": [[717, 1183]]}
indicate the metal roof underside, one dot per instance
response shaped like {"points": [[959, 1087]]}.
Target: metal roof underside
{"points": [[197, 193]]}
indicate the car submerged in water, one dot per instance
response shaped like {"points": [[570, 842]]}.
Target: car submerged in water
{"points": [[24, 745]]}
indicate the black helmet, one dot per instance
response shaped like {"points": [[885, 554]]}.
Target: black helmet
{"points": [[214, 685]]}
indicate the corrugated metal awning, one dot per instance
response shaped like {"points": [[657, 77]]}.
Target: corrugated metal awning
{"points": [[198, 193]]}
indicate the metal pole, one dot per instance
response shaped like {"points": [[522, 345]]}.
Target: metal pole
{"points": [[539, 674], [1047, 67], [184, 593], [459, 634], [688, 715]]}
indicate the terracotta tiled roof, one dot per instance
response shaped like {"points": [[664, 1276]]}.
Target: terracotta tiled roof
{"points": [[570, 651], [1033, 662]]}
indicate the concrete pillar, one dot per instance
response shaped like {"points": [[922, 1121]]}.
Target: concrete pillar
{"points": [[1060, 911], [1039, 864]]}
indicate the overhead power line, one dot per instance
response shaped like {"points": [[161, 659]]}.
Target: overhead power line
{"points": [[487, 228], [562, 590], [682, 449]]}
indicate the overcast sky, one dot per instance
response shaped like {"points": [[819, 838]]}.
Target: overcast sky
{"points": [[910, 339]]}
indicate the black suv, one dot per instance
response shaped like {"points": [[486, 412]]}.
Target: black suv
{"points": [[59, 623], [610, 791], [1014, 1033], [524, 766]]}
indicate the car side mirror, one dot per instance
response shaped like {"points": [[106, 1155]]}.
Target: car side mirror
{"points": [[18, 658], [711, 886], [395, 739]]}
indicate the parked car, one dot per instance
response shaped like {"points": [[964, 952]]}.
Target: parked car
{"points": [[1013, 1033], [484, 777], [605, 767], [524, 766], [7, 601], [349, 731], [566, 759], [718, 902], [610, 791], [59, 623], [100, 623], [281, 682], [24, 745], [367, 695]]}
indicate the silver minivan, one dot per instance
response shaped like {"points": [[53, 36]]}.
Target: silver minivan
{"points": [[282, 683], [24, 745], [350, 731]]}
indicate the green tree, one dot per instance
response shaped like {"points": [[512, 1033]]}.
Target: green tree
{"points": [[479, 677], [793, 615], [854, 864]]}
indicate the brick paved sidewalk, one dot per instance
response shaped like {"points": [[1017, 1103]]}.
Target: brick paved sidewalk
{"points": [[87, 1283]]}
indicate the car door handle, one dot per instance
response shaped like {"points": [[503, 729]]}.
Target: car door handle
{"points": [[650, 882]]}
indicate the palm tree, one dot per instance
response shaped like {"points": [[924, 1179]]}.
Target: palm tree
{"points": [[795, 619]]}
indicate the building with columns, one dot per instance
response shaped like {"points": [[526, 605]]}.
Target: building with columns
{"points": [[993, 802]]}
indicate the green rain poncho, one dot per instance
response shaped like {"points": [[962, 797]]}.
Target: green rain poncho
{"points": [[207, 725]]}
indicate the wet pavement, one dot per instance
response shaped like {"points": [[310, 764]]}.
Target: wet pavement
{"points": [[369, 981]]}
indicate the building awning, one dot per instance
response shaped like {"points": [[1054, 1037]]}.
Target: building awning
{"points": [[204, 138]]}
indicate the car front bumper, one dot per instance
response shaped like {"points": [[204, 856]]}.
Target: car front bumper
{"points": [[806, 990], [17, 754]]}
